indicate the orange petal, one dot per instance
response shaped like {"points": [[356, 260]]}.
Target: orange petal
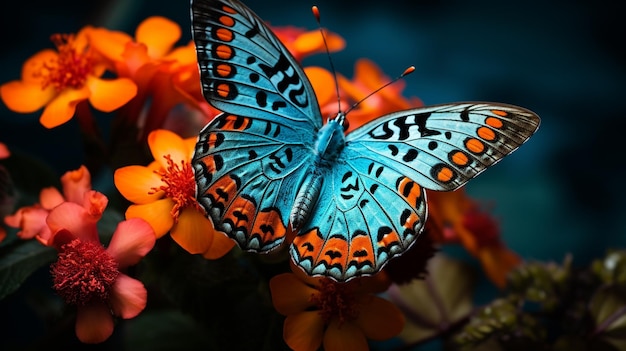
{"points": [[94, 323], [109, 43], [344, 336], [50, 197], [379, 319], [193, 232], [320, 79], [304, 331], [32, 68], [132, 240], [156, 213], [498, 261], [110, 94], [159, 34], [61, 109], [135, 183], [164, 142], [25, 97], [128, 296], [311, 42], [289, 294], [220, 246]]}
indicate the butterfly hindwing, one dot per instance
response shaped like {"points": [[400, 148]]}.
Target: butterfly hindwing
{"points": [[366, 214], [441, 147], [246, 70], [247, 173]]}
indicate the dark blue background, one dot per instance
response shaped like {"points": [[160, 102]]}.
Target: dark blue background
{"points": [[561, 192]]}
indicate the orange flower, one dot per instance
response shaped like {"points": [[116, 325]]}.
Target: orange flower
{"points": [[76, 188], [454, 217], [59, 80], [4, 151], [163, 194], [166, 75], [339, 316], [302, 43]]}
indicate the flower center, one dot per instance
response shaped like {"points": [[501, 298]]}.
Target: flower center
{"points": [[69, 69], [84, 272], [335, 300], [180, 186]]}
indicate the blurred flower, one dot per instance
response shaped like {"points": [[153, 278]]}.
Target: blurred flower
{"points": [[88, 276], [302, 43], [4, 151], [456, 218], [165, 75], [339, 316], [76, 187], [7, 193], [61, 79], [163, 194]]}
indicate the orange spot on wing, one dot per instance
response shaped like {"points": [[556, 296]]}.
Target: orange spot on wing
{"points": [[228, 9], [209, 163], [227, 21], [268, 226], [241, 212], [361, 250], [235, 123], [494, 122], [445, 174], [224, 52], [335, 252], [224, 34], [410, 190], [411, 221], [390, 239], [223, 90], [474, 145], [499, 113], [224, 70], [486, 133], [223, 190], [309, 245], [212, 140], [459, 158]]}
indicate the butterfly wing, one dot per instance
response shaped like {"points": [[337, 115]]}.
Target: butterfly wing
{"points": [[246, 70], [249, 161], [441, 147], [247, 175], [373, 205]]}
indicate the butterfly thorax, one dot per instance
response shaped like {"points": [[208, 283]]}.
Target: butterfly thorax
{"points": [[330, 141]]}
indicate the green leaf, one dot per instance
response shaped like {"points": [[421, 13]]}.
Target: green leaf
{"points": [[608, 310], [19, 260]]}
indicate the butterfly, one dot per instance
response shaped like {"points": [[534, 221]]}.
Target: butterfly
{"points": [[268, 165]]}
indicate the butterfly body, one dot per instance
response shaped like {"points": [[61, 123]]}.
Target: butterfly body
{"points": [[356, 200]]}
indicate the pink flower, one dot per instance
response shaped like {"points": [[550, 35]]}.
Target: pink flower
{"points": [[90, 276], [76, 187]]}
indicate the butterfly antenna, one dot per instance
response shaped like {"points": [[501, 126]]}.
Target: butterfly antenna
{"points": [[406, 72], [316, 13]]}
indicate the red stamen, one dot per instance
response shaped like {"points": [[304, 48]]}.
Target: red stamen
{"points": [[84, 273], [180, 186], [69, 69], [335, 300]]}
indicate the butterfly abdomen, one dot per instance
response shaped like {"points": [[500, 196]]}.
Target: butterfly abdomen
{"points": [[306, 198]]}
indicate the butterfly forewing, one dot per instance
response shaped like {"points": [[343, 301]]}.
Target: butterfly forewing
{"points": [[442, 147], [246, 70]]}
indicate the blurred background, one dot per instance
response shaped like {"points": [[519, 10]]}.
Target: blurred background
{"points": [[559, 193]]}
